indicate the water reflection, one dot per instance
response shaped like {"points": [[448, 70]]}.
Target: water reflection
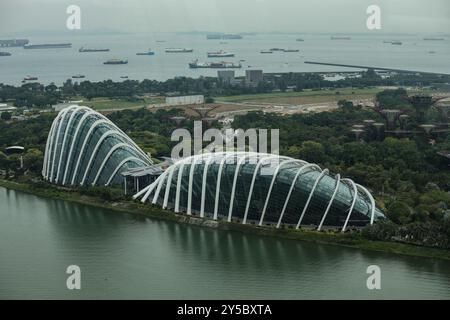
{"points": [[126, 256]]}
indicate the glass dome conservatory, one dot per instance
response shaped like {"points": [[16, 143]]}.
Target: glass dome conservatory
{"points": [[85, 148], [261, 189]]}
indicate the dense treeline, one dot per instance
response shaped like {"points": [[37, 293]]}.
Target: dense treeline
{"points": [[41, 96], [410, 181]]}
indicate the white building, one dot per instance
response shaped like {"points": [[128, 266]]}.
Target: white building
{"points": [[185, 100], [5, 108], [60, 106]]}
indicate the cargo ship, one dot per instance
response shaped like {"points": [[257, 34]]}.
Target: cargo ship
{"points": [[266, 51], [83, 49], [14, 42], [4, 54], [214, 65], [282, 50], [220, 54], [396, 43], [78, 76], [115, 61], [223, 37], [47, 46], [147, 53], [433, 39], [340, 38], [179, 50]]}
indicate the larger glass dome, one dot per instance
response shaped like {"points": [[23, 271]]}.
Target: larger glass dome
{"points": [[262, 189]]}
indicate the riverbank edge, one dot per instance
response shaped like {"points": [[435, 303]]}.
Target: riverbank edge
{"points": [[150, 211]]}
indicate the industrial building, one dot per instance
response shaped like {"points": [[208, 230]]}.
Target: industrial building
{"points": [[226, 76], [6, 108], [253, 77]]}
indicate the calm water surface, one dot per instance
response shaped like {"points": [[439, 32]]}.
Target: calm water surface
{"points": [[124, 256], [57, 65]]}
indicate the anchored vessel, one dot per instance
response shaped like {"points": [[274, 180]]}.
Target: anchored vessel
{"points": [[340, 38], [220, 54], [178, 50], [47, 46], [147, 53], [83, 49], [115, 61], [223, 37], [214, 65], [14, 42]]}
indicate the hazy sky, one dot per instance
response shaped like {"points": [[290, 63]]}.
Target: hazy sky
{"points": [[404, 16]]}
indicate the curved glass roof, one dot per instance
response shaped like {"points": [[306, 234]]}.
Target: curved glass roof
{"points": [[85, 148], [262, 189]]}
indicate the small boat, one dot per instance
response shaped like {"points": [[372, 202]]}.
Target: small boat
{"points": [[4, 54], [266, 51], [299, 40], [291, 50], [396, 43], [147, 53], [30, 78], [124, 77], [78, 76], [115, 61]]}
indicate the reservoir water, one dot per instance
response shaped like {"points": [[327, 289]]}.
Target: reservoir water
{"points": [[58, 65], [131, 257]]}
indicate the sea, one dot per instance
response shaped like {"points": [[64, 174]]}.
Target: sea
{"points": [[58, 65]]}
